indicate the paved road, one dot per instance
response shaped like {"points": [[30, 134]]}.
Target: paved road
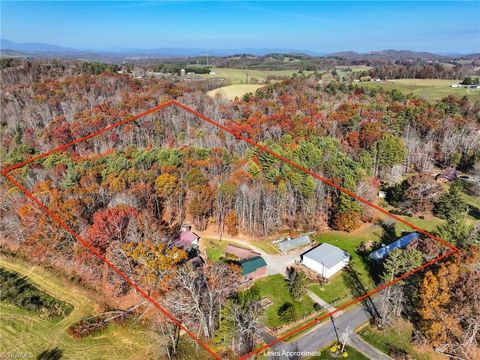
{"points": [[366, 349], [325, 333]]}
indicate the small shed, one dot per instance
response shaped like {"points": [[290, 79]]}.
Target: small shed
{"points": [[325, 259], [290, 244], [253, 268], [401, 243]]}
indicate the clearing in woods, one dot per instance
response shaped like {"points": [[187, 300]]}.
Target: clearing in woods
{"points": [[429, 89], [239, 76], [230, 92]]}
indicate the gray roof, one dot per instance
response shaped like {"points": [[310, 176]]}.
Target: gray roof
{"points": [[289, 244], [326, 254]]}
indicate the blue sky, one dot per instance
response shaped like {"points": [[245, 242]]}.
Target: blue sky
{"points": [[316, 26]]}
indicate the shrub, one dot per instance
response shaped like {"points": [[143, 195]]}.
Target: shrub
{"points": [[287, 312], [347, 221], [18, 291]]}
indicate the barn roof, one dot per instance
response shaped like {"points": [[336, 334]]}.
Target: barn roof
{"points": [[326, 254], [251, 265]]}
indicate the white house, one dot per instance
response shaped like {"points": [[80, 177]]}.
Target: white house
{"points": [[325, 259]]}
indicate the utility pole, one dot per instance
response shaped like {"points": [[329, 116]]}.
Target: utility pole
{"points": [[207, 57]]}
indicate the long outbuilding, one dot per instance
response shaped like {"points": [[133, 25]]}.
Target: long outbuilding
{"points": [[401, 243]]}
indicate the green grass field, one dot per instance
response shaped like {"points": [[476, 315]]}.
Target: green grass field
{"points": [[430, 89], [397, 337], [24, 332], [275, 288], [238, 76], [230, 92]]}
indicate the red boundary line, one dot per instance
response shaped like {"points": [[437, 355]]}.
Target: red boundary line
{"points": [[238, 136]]}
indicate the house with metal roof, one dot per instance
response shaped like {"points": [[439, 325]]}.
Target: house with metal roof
{"points": [[401, 243], [290, 244], [253, 268], [325, 259]]}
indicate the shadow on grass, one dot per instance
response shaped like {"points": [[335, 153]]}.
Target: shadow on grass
{"points": [[52, 354], [474, 211], [353, 282]]}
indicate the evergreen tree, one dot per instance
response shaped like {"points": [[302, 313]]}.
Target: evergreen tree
{"points": [[297, 283], [451, 203]]}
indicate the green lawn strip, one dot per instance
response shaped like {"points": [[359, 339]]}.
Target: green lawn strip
{"points": [[300, 333], [275, 288], [214, 248], [398, 337], [266, 246], [429, 223], [29, 332], [352, 354]]}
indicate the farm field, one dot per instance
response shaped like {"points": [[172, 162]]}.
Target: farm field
{"points": [[230, 92], [29, 333], [430, 89], [238, 76]]}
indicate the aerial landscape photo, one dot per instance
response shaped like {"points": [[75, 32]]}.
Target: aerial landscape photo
{"points": [[190, 180]]}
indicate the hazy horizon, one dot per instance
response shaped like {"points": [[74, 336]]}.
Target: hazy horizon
{"points": [[320, 27]]}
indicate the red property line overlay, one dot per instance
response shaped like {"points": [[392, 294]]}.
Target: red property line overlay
{"points": [[94, 251]]}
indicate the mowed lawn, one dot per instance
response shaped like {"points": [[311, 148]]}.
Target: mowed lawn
{"points": [[275, 287], [26, 332], [429, 89], [399, 337], [230, 92], [338, 289]]}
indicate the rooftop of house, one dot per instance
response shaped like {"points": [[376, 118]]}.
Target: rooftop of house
{"points": [[449, 174], [326, 254], [251, 265], [187, 238]]}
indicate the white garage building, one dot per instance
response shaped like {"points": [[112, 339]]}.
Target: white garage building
{"points": [[325, 259]]}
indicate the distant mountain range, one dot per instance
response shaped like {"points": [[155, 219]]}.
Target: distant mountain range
{"points": [[11, 48], [44, 48]]}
